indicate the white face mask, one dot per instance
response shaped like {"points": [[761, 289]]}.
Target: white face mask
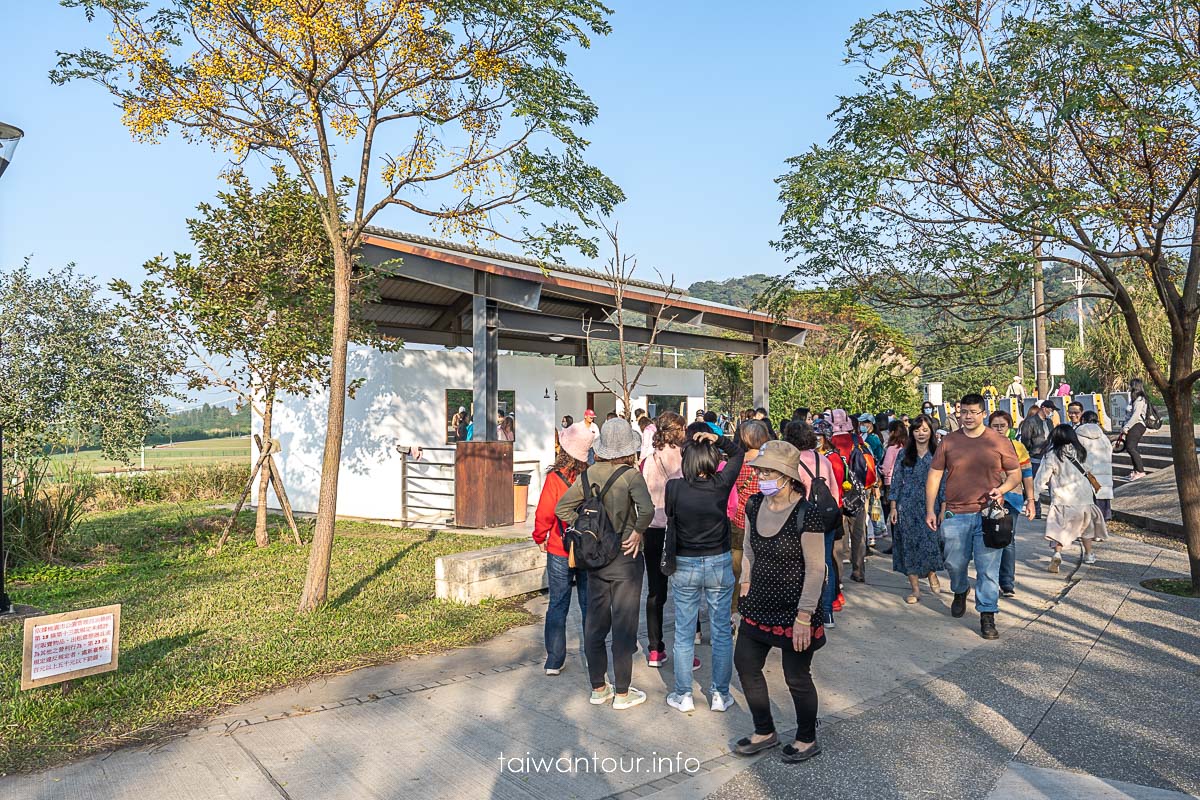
{"points": [[769, 488]]}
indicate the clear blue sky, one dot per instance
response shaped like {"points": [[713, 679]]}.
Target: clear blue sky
{"points": [[699, 106]]}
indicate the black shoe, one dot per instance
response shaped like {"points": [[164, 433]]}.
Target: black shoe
{"points": [[793, 756], [987, 625], [745, 747], [857, 578], [959, 606], [1008, 592]]}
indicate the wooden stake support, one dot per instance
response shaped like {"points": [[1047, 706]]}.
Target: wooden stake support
{"points": [[265, 461]]}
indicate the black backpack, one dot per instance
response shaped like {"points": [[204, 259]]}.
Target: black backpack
{"points": [[823, 513], [593, 540]]}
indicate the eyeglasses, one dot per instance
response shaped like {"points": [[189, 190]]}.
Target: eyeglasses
{"points": [[766, 472]]}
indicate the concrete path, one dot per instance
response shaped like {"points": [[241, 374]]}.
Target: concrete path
{"points": [[1092, 677]]}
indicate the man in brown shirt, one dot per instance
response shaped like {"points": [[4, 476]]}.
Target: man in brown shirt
{"points": [[979, 466]]}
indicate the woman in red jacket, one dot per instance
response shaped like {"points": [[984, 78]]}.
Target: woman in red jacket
{"points": [[547, 532]]}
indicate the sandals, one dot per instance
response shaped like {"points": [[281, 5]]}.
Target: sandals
{"points": [[935, 585], [745, 747], [912, 599]]}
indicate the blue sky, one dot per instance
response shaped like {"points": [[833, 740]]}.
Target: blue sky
{"points": [[699, 107]]}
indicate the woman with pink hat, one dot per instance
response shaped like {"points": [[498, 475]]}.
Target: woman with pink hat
{"points": [[575, 441]]}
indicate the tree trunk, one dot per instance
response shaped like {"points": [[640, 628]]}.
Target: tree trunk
{"points": [[1187, 475], [1041, 354], [260, 521], [316, 582]]}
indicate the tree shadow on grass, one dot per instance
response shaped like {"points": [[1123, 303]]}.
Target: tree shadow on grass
{"points": [[356, 589], [156, 649]]}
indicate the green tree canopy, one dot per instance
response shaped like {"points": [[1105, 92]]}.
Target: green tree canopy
{"points": [[76, 367]]}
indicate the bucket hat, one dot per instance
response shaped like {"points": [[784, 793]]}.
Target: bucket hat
{"points": [[617, 440], [576, 440], [779, 456]]}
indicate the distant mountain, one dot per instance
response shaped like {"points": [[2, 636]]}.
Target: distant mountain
{"points": [[740, 291]]}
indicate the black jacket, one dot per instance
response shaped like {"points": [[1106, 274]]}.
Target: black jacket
{"points": [[698, 509]]}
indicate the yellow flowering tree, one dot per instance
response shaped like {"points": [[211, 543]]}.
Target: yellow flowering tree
{"points": [[456, 111]]}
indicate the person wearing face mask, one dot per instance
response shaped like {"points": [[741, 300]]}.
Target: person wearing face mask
{"points": [[927, 409]]}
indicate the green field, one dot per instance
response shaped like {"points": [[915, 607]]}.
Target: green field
{"points": [[223, 450]]}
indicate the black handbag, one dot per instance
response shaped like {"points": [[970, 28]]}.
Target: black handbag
{"points": [[667, 564], [997, 527]]}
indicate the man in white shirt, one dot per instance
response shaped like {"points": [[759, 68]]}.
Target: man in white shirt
{"points": [[589, 419], [1016, 389]]}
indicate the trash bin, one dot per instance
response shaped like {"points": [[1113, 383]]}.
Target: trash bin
{"points": [[521, 482]]}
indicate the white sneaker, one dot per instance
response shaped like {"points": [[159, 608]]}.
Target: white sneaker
{"points": [[552, 671], [1090, 558], [721, 702], [635, 697], [681, 702], [1055, 563]]}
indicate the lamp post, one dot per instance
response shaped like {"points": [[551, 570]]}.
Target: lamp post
{"points": [[10, 135]]}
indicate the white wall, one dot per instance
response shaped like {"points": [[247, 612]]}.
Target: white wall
{"points": [[402, 401]]}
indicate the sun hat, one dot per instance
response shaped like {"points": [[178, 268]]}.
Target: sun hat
{"points": [[841, 421], [617, 440], [779, 456], [822, 427], [868, 417], [589, 413], [576, 439]]}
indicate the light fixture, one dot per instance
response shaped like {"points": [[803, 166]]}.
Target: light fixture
{"points": [[556, 337], [9, 136], [546, 396]]}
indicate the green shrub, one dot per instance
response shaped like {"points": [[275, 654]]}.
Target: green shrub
{"points": [[42, 507], [200, 482]]}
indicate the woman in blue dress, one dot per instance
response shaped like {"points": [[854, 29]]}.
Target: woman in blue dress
{"points": [[916, 551]]}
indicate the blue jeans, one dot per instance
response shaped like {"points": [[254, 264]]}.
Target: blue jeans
{"points": [[1008, 559], [707, 578], [559, 575], [831, 574], [964, 541]]}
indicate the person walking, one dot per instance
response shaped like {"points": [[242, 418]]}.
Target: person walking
{"points": [[547, 532], [857, 459], [1016, 502], [815, 465], [752, 435], [1074, 514], [916, 550], [978, 466], [1034, 431], [697, 513], [1100, 457], [1016, 389], [1074, 413], [664, 463], [781, 590], [1135, 426], [614, 590], [833, 600]]}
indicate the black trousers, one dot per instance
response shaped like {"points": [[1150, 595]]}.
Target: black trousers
{"points": [[656, 587], [1132, 439], [614, 601], [749, 656]]}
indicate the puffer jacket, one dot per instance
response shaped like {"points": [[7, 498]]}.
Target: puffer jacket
{"points": [[1099, 457]]}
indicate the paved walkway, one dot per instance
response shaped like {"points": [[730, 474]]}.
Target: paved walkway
{"points": [[1092, 691]]}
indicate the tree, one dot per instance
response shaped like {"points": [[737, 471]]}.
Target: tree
{"points": [[73, 364], [993, 137], [729, 380], [631, 363], [248, 310], [435, 107]]}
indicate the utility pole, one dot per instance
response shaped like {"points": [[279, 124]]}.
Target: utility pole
{"points": [[1021, 354], [1077, 282], [1040, 352]]}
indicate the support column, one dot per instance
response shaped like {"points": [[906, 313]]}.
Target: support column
{"points": [[486, 346], [762, 378]]}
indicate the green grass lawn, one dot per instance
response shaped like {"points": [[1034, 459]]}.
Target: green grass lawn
{"points": [[202, 632], [223, 450]]}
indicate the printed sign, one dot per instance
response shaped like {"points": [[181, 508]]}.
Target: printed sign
{"points": [[59, 647]]}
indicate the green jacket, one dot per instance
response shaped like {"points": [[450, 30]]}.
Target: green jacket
{"points": [[628, 501]]}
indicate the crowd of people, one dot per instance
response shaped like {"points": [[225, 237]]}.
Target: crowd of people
{"points": [[756, 526]]}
